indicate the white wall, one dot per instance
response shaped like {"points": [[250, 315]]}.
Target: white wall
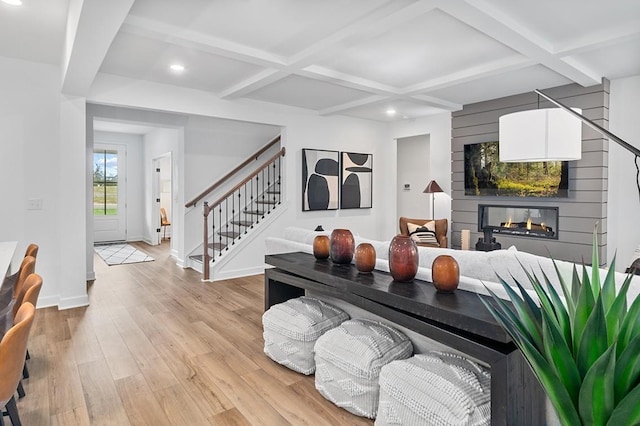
{"points": [[134, 175], [623, 204], [40, 133], [413, 169]]}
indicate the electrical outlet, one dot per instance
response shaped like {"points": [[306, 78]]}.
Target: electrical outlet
{"points": [[34, 204]]}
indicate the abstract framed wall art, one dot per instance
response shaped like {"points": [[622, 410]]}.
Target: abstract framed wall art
{"points": [[356, 180], [320, 179]]}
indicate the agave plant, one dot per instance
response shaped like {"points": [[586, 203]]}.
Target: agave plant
{"points": [[585, 349]]}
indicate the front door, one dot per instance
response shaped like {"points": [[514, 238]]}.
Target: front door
{"points": [[109, 184]]}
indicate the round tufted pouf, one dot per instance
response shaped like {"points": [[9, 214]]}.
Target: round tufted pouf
{"points": [[434, 389], [290, 331], [349, 359]]}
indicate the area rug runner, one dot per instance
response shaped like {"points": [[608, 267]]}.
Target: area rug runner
{"points": [[119, 254]]}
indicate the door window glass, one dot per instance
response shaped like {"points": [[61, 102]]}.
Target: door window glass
{"points": [[105, 183]]}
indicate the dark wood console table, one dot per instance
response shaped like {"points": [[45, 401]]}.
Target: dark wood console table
{"points": [[458, 320]]}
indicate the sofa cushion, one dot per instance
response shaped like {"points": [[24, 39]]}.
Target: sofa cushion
{"points": [[413, 227], [424, 236]]}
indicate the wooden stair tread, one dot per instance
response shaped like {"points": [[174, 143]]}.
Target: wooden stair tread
{"points": [[254, 212], [271, 202], [242, 222], [217, 246], [229, 234]]}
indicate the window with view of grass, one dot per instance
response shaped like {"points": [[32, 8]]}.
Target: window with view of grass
{"points": [[105, 183]]}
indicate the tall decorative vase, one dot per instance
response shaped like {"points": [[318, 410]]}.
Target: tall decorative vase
{"points": [[403, 258], [445, 273], [365, 257], [321, 247], [342, 246]]}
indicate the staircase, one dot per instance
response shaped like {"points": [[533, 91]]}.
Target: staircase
{"points": [[233, 215]]}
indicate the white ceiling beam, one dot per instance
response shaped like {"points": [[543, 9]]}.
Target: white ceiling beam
{"points": [[195, 40], [379, 21], [337, 109], [436, 102], [470, 74], [91, 27], [495, 24], [253, 83], [601, 40], [346, 80]]}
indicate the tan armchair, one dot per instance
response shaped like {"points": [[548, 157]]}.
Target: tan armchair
{"points": [[442, 226]]}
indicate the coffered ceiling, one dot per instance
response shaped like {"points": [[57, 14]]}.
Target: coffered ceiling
{"points": [[350, 57]]}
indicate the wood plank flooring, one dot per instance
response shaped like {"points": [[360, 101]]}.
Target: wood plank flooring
{"points": [[159, 347]]}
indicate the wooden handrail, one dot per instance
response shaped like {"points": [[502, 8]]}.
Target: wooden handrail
{"points": [[245, 180], [226, 177]]}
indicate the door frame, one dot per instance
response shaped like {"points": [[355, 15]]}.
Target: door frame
{"points": [[156, 165]]}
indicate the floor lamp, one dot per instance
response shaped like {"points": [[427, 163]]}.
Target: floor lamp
{"points": [[432, 188]]}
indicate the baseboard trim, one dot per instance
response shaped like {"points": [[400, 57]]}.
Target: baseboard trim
{"points": [[47, 302], [73, 302], [237, 273]]}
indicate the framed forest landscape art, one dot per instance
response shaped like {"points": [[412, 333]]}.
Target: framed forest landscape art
{"points": [[320, 184], [356, 179]]}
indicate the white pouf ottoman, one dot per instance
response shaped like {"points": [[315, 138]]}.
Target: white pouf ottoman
{"points": [[349, 359], [290, 331], [434, 389]]}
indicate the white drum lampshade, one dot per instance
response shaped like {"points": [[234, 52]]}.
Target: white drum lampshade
{"points": [[540, 135]]}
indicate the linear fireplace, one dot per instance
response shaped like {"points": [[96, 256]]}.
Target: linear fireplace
{"points": [[538, 222]]}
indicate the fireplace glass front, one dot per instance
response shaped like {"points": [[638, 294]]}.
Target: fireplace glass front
{"points": [[539, 222]]}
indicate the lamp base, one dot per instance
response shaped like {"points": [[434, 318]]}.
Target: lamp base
{"points": [[488, 242]]}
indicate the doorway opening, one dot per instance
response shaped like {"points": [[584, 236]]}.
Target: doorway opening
{"points": [[162, 194]]}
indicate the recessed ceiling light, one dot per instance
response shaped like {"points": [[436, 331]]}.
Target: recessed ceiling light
{"points": [[13, 2], [176, 67], [391, 112]]}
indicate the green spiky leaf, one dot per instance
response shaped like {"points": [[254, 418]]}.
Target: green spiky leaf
{"points": [[555, 389], [627, 369], [562, 316], [560, 358], [595, 265], [618, 311], [527, 318], [566, 291], [627, 412], [584, 307], [609, 286], [630, 327], [593, 342], [596, 393]]}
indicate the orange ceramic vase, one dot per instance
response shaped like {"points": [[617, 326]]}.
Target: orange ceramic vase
{"points": [[342, 246], [445, 273], [321, 247], [365, 257], [403, 258]]}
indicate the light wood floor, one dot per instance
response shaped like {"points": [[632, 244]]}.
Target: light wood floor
{"points": [[159, 347]]}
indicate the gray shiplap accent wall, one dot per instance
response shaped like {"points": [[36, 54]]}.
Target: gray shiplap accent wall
{"points": [[587, 201]]}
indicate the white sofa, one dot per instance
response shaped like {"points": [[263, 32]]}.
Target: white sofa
{"points": [[477, 269]]}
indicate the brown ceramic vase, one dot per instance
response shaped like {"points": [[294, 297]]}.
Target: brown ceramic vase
{"points": [[342, 246], [403, 258], [365, 257], [445, 273], [321, 247]]}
